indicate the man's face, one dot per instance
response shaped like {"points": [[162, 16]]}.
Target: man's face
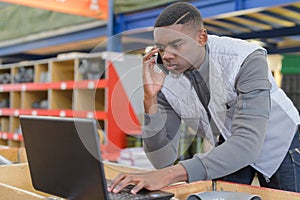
{"points": [[179, 47]]}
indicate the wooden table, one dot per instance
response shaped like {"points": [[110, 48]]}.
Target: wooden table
{"points": [[15, 183]]}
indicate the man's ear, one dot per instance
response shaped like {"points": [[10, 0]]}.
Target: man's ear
{"points": [[202, 37]]}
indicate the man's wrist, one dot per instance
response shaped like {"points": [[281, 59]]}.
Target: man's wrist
{"points": [[150, 105], [177, 174]]}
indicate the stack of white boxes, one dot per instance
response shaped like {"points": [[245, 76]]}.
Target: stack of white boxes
{"points": [[134, 156]]}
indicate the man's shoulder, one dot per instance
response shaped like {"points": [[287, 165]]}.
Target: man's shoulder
{"points": [[224, 45]]}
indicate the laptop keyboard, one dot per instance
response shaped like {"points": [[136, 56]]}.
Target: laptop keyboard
{"points": [[141, 195], [127, 196]]}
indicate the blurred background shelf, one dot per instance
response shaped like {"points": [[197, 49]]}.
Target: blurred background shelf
{"points": [[76, 91]]}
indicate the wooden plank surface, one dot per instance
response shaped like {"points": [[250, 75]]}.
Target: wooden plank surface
{"points": [[17, 175], [12, 193], [10, 153], [14, 154]]}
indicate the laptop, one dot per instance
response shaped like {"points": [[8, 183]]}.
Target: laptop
{"points": [[64, 159]]}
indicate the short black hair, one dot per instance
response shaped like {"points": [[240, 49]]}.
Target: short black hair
{"points": [[179, 13]]}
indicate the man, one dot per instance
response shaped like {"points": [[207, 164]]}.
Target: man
{"points": [[221, 88]]}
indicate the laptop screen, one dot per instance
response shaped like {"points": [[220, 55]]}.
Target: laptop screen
{"points": [[64, 156]]}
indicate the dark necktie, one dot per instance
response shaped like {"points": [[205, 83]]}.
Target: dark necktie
{"points": [[201, 88]]}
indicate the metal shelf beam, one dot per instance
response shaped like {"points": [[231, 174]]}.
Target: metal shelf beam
{"points": [[208, 8], [52, 41]]}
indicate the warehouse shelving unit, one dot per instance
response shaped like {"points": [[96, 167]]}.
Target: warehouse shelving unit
{"points": [[68, 95]]}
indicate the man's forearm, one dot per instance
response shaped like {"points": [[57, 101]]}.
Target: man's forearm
{"points": [[160, 148], [150, 105], [177, 173]]}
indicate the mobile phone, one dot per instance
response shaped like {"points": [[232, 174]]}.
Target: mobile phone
{"points": [[160, 64]]}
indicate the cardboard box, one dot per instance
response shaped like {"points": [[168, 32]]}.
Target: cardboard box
{"points": [[13, 193], [13, 154]]}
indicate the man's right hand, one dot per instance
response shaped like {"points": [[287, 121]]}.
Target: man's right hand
{"points": [[151, 180], [152, 81]]}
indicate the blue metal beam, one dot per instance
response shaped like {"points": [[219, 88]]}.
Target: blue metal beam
{"points": [[258, 3], [207, 8], [20, 57], [215, 7], [280, 32], [283, 50], [114, 40], [52, 41], [136, 20]]}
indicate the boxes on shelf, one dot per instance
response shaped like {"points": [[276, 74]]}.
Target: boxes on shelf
{"points": [[134, 156]]}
